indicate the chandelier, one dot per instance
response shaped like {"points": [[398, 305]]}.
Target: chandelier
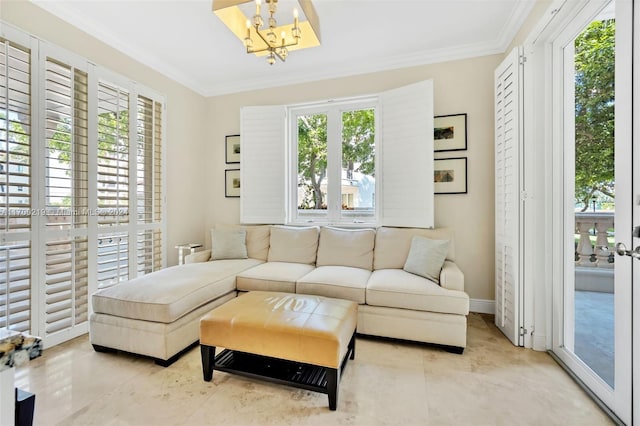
{"points": [[262, 36], [274, 45]]}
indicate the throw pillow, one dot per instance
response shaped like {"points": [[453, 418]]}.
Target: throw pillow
{"points": [[426, 257], [228, 244]]}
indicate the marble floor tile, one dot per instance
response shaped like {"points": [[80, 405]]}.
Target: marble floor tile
{"points": [[389, 383]]}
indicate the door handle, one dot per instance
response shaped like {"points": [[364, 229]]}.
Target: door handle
{"points": [[621, 249]]}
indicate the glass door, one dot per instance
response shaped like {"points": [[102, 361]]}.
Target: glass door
{"points": [[594, 338]]}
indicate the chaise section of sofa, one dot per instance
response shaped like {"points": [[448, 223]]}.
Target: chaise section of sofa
{"points": [[158, 314]]}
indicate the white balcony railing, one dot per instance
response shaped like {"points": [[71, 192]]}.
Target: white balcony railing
{"points": [[594, 254], [598, 254]]}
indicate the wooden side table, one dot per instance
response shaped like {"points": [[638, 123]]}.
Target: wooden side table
{"points": [[182, 247]]}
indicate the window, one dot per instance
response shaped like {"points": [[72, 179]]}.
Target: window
{"points": [[90, 213], [363, 162], [334, 145]]}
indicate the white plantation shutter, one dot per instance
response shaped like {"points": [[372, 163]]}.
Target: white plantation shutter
{"points": [[148, 251], [66, 286], [113, 259], [407, 156], [15, 186], [66, 278], [81, 185], [113, 155], [263, 164], [508, 139], [149, 185], [113, 158]]}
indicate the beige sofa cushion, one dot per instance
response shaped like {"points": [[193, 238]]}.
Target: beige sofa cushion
{"points": [[341, 282], [272, 276], [346, 247], [171, 293], [392, 245], [426, 257], [395, 288], [257, 239], [228, 244], [293, 244]]}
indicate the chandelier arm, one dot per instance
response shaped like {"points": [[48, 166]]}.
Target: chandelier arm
{"points": [[269, 47]]}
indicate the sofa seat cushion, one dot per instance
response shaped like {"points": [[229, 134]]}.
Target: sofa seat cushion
{"points": [[395, 288], [168, 294], [340, 282], [272, 276]]}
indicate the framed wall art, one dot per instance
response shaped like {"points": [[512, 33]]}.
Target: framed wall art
{"points": [[450, 176], [450, 132], [232, 183], [232, 149]]}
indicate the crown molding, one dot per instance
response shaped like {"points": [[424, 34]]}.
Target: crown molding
{"points": [[223, 87], [328, 72], [96, 30]]}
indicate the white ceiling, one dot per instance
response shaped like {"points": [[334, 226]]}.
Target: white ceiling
{"points": [[185, 40]]}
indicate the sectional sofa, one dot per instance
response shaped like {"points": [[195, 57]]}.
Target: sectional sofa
{"points": [[404, 279]]}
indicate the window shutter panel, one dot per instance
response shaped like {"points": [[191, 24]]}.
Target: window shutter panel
{"points": [[66, 200], [113, 155], [149, 185], [407, 156], [263, 164], [15, 186], [508, 99]]}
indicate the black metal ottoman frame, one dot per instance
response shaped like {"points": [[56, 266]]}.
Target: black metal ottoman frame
{"points": [[276, 370]]}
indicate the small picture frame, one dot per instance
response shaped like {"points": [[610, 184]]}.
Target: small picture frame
{"points": [[232, 183], [232, 149], [450, 132], [450, 176]]}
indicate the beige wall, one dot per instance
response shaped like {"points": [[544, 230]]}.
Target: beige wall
{"points": [[460, 87], [185, 116]]}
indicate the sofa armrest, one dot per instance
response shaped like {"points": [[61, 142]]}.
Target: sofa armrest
{"points": [[451, 277], [197, 257]]}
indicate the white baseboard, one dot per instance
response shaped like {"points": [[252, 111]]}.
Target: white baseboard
{"points": [[482, 306]]}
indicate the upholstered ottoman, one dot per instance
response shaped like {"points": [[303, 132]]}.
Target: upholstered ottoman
{"points": [[295, 339]]}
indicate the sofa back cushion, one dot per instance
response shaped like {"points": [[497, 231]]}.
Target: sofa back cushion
{"points": [[293, 244], [257, 239], [228, 244], [346, 247], [393, 244]]}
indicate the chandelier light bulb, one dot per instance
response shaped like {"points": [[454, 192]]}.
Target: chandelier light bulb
{"points": [[271, 59]]}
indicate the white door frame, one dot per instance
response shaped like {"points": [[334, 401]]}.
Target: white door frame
{"points": [[546, 124], [635, 120]]}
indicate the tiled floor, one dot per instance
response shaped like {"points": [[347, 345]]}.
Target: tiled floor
{"points": [[389, 383]]}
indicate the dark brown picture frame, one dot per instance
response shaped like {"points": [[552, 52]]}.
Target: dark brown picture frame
{"points": [[232, 149], [450, 132], [232, 183], [450, 175]]}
